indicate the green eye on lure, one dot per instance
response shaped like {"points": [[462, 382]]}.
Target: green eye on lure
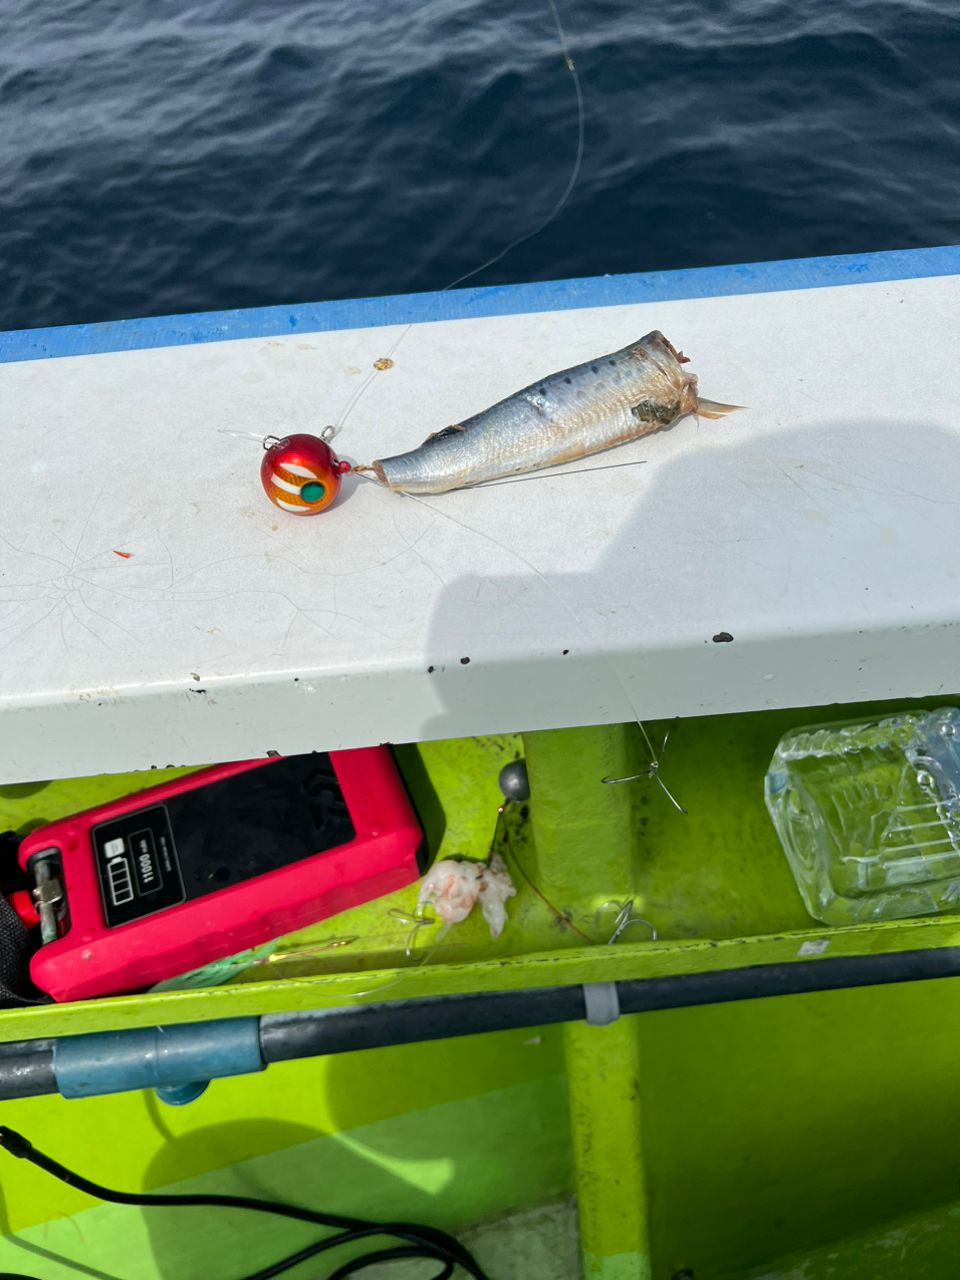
{"points": [[301, 474]]}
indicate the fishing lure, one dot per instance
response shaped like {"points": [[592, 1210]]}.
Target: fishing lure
{"points": [[569, 415], [301, 473]]}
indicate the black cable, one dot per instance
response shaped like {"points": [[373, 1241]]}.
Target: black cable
{"points": [[302, 1255], [423, 1242], [385, 1255], [347, 1237]]}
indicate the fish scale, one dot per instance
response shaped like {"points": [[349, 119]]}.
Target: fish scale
{"points": [[594, 406]]}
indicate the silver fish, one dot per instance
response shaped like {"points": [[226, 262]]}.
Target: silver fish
{"points": [[568, 415]]}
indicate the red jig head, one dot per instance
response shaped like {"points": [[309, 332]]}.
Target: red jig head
{"points": [[301, 474]]}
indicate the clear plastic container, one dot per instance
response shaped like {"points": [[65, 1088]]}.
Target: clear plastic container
{"points": [[869, 815]]}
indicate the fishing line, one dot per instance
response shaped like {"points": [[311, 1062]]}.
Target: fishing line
{"points": [[242, 435], [560, 916], [654, 770], [385, 363], [416, 957], [556, 475], [555, 211]]}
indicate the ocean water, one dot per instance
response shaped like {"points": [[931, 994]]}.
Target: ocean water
{"points": [[162, 156]]}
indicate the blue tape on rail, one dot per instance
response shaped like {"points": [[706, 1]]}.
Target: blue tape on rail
{"points": [[156, 1057]]}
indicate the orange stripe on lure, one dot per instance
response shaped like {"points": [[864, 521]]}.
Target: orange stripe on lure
{"points": [[301, 474]]}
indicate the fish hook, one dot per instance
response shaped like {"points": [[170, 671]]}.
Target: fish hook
{"points": [[416, 920], [624, 919], [653, 771]]}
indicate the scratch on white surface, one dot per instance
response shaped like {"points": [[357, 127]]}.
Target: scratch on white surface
{"points": [[83, 597], [856, 483], [64, 589]]}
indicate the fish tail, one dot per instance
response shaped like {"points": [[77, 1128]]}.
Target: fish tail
{"points": [[714, 408]]}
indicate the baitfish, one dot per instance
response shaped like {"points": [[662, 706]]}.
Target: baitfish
{"points": [[568, 415]]}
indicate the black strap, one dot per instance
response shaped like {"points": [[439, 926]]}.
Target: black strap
{"points": [[15, 985], [15, 947]]}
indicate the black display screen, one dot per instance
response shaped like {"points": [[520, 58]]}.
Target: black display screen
{"points": [[212, 836]]}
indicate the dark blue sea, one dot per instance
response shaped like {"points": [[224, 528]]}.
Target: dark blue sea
{"points": [[162, 156]]}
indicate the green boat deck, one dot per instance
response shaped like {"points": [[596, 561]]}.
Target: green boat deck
{"points": [[715, 1140]]}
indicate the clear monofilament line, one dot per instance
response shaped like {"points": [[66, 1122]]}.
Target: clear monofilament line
{"points": [[654, 771], [555, 211], [243, 435]]}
